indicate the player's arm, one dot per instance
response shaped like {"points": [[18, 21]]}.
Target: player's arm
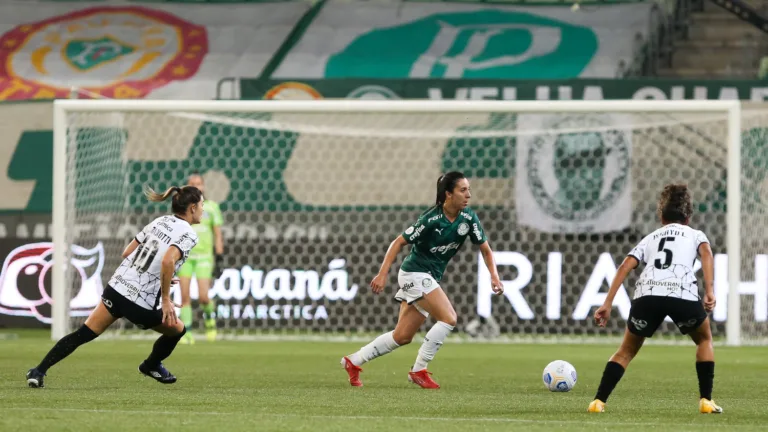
{"points": [[604, 312], [167, 269], [490, 262], [130, 248], [218, 247], [140, 238], [708, 267], [377, 284], [218, 241]]}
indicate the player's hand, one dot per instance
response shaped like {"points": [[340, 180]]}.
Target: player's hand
{"points": [[169, 313], [709, 302], [602, 314], [377, 284], [497, 286]]}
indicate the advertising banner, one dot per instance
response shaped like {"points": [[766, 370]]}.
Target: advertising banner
{"points": [[162, 51], [452, 41]]}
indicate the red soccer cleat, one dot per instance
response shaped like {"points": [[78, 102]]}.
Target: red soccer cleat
{"points": [[353, 372], [423, 379]]}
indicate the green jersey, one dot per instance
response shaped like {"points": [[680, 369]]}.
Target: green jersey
{"points": [[211, 218], [436, 240]]}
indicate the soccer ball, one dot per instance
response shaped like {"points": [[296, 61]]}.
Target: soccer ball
{"points": [[559, 376]]}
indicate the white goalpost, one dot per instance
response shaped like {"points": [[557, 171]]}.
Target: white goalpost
{"points": [[313, 191]]}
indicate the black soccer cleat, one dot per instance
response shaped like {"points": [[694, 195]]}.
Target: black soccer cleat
{"points": [[159, 373], [35, 378]]}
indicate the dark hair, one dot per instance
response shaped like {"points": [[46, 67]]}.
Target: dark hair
{"points": [[675, 204], [183, 197], [446, 183]]}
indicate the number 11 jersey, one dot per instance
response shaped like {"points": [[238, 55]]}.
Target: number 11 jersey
{"points": [[138, 276], [669, 254]]}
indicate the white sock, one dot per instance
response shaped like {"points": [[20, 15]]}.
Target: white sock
{"points": [[432, 342], [381, 345]]}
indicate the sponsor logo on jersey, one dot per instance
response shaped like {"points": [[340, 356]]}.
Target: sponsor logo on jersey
{"points": [[476, 231], [416, 233], [463, 229], [445, 248], [590, 169], [25, 281], [129, 51]]}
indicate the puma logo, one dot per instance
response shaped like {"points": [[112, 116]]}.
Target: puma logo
{"points": [[439, 231]]}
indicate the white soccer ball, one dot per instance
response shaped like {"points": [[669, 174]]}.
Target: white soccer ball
{"points": [[559, 376]]}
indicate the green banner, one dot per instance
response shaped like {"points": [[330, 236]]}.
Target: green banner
{"points": [[577, 89]]}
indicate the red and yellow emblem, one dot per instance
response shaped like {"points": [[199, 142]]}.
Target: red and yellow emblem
{"points": [[116, 52]]}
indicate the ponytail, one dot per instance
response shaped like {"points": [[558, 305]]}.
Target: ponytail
{"points": [[440, 198], [159, 197], [183, 197]]}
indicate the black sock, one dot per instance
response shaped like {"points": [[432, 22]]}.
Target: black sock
{"points": [[164, 346], [706, 372], [611, 376], [66, 346]]}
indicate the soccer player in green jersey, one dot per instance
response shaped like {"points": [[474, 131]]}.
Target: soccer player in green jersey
{"points": [[205, 262], [435, 238]]}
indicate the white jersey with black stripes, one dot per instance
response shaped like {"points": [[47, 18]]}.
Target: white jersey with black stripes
{"points": [[138, 276], [669, 254]]}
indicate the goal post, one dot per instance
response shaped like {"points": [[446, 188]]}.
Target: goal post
{"points": [[313, 192]]}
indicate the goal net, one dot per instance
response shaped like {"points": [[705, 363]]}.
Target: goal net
{"points": [[313, 192]]}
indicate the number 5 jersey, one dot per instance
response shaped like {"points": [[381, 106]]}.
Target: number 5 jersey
{"points": [[138, 276], [669, 254]]}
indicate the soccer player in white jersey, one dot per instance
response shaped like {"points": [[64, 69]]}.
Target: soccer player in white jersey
{"points": [[140, 284], [436, 237], [666, 287]]}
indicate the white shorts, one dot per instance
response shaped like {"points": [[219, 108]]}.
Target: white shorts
{"points": [[414, 286]]}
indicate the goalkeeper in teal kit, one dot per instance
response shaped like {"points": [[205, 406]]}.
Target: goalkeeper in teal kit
{"points": [[204, 263]]}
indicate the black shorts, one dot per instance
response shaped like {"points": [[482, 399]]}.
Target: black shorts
{"points": [[648, 312], [121, 307]]}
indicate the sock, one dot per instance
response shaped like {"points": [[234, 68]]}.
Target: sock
{"points": [[208, 311], [186, 316], [66, 346], [381, 345], [706, 372], [163, 347], [611, 376], [432, 342]]}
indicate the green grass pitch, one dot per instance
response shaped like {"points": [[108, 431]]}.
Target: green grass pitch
{"points": [[300, 386]]}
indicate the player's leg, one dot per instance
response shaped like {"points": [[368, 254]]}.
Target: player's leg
{"points": [[99, 320], [614, 369], [204, 273], [435, 303], [692, 320], [185, 282], [645, 316], [409, 321], [170, 335], [705, 367]]}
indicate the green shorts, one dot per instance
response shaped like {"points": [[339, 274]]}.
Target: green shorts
{"points": [[202, 268]]}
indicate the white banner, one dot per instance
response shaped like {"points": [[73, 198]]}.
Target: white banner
{"points": [[439, 40], [166, 51], [573, 172]]}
